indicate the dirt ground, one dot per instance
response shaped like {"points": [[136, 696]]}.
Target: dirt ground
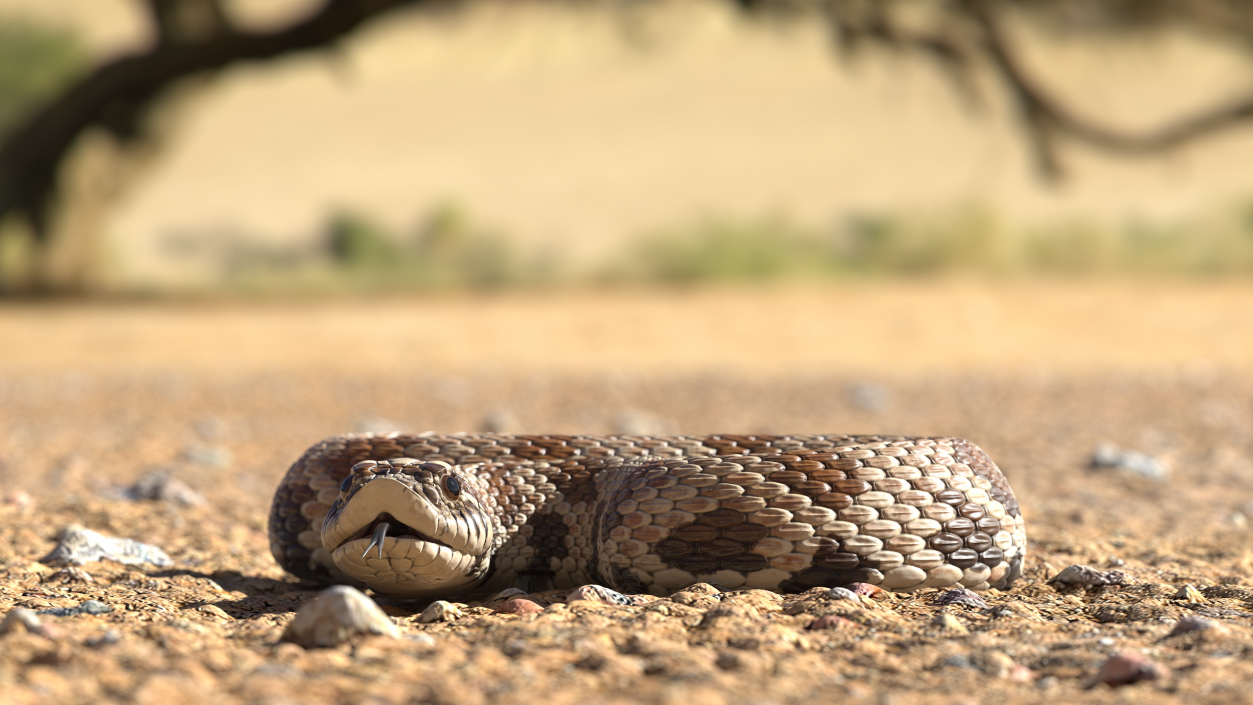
{"points": [[225, 396]]}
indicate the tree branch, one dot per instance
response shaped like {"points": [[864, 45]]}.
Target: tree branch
{"points": [[117, 95], [1046, 118]]}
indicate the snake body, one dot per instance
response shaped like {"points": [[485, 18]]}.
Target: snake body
{"points": [[432, 515]]}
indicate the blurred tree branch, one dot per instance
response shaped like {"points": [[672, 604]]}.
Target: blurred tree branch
{"points": [[61, 168], [122, 99]]}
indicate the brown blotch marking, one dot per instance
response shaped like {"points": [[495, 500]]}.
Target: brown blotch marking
{"points": [[945, 542], [670, 549], [979, 541], [745, 563], [960, 526], [745, 533], [695, 533], [721, 548], [838, 561], [722, 518], [963, 558], [696, 563]]}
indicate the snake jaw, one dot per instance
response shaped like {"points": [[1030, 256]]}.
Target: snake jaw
{"points": [[428, 548]]}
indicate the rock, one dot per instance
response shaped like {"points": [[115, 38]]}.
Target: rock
{"points": [[638, 422], [871, 591], [868, 396], [963, 597], [1128, 667], [161, 487], [946, 622], [212, 455], [88, 607], [21, 619], [499, 420], [603, 595], [998, 664], [378, 424], [1109, 456], [519, 606], [18, 501], [1086, 577], [839, 593], [80, 546], [335, 616], [440, 611], [1191, 595]]}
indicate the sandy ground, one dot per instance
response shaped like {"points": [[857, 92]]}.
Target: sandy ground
{"points": [[224, 397], [877, 329]]}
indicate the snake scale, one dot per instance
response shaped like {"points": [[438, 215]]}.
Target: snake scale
{"points": [[432, 515]]}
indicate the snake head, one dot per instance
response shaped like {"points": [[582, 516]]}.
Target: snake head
{"points": [[411, 528]]}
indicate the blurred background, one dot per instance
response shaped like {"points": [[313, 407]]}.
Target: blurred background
{"points": [[229, 228]]}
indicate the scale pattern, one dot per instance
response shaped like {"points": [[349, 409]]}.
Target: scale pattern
{"points": [[655, 514]]}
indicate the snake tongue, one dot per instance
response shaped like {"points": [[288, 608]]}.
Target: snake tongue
{"points": [[380, 533]]}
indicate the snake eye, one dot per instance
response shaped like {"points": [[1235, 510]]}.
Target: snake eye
{"points": [[346, 484], [453, 485]]}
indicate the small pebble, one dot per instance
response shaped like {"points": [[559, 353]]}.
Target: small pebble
{"points": [[18, 501], [1086, 577], [335, 616], [440, 611], [1128, 667], [519, 606], [109, 638], [1191, 595], [88, 607], [961, 596], [868, 590], [22, 619], [161, 487], [868, 396], [839, 593], [515, 647], [1110, 456], [601, 594], [946, 622], [79, 546]]}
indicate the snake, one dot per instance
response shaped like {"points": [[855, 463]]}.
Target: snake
{"points": [[433, 515]]}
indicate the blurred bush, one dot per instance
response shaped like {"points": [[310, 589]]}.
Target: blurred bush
{"points": [[450, 250], [36, 61], [960, 241]]}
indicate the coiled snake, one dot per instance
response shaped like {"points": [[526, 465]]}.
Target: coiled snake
{"points": [[432, 515]]}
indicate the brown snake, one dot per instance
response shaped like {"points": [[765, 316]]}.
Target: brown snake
{"points": [[432, 515]]}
